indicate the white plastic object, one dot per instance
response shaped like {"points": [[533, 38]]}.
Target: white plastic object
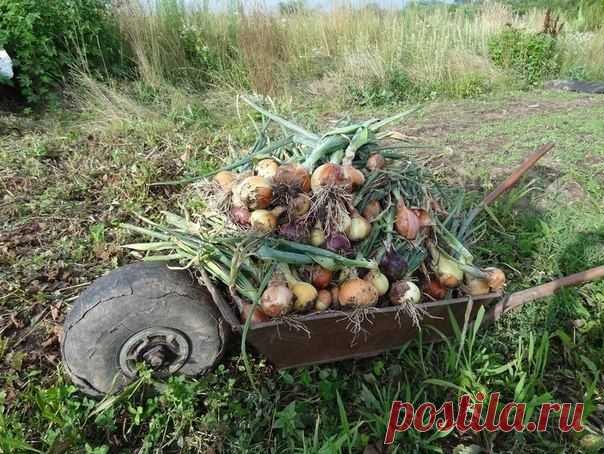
{"points": [[6, 65]]}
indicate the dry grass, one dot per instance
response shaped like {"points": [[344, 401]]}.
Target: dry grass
{"points": [[435, 47]]}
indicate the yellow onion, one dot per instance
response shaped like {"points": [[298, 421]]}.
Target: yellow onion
{"points": [[476, 286], [245, 309], [379, 281], [357, 293], [375, 162], [317, 236], [305, 295], [255, 192], [359, 228], [293, 175], [301, 204], [404, 292], [329, 174], [425, 220], [266, 168], [495, 278], [263, 221], [406, 222], [277, 300], [323, 300], [225, 180], [435, 289], [355, 176], [320, 277], [372, 210], [448, 272]]}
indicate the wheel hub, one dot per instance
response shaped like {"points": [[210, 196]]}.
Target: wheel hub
{"points": [[164, 350]]}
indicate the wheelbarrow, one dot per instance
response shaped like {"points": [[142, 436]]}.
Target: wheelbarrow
{"points": [[146, 312]]}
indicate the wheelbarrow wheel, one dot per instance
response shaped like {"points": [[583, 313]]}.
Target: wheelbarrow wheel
{"points": [[141, 313]]}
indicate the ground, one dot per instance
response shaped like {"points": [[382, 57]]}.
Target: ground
{"points": [[70, 175]]}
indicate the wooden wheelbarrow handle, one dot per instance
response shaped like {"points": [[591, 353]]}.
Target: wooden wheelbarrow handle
{"points": [[517, 299]]}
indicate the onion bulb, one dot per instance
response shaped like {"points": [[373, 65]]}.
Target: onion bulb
{"points": [[435, 289], [266, 168], [225, 180], [305, 295], [241, 216], [393, 265], [355, 176], [323, 300], [357, 293], [372, 210], [404, 292], [338, 242], [263, 221], [293, 175], [293, 231], [379, 281], [255, 192], [425, 220], [476, 286], [317, 236], [245, 309], [376, 161], [359, 228], [301, 204], [406, 222], [277, 300], [329, 174], [448, 272], [495, 278], [320, 277]]}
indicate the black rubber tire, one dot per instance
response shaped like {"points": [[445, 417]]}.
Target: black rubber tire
{"points": [[126, 301]]}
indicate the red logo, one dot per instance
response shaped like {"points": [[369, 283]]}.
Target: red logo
{"points": [[469, 416]]}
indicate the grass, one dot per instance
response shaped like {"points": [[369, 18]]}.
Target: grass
{"points": [[69, 176], [368, 55]]}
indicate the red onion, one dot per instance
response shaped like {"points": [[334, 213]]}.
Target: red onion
{"points": [[393, 266], [338, 242]]}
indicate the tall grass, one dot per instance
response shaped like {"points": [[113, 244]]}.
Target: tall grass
{"points": [[437, 48]]}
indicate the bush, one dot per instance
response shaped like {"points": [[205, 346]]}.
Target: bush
{"points": [[46, 37], [533, 56]]}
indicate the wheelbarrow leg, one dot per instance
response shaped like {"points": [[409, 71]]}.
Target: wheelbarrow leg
{"points": [[517, 299]]}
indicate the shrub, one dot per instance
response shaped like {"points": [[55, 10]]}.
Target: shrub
{"points": [[46, 37], [533, 56]]}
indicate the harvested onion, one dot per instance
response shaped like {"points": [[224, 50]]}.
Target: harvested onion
{"points": [[255, 192], [241, 216], [323, 300], [277, 300], [404, 292], [225, 180], [355, 176], [329, 174], [406, 222], [372, 210], [379, 281], [293, 175], [266, 168], [495, 278], [448, 272], [359, 228], [375, 162], [435, 289], [357, 293], [301, 205], [393, 265], [317, 236], [320, 277], [257, 316], [476, 286], [263, 221]]}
